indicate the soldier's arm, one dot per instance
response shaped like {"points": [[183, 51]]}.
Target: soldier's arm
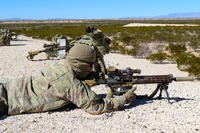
{"points": [[81, 95]]}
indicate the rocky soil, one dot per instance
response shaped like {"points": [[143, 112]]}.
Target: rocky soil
{"points": [[157, 116]]}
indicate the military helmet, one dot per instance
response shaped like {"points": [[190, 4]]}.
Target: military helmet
{"points": [[81, 58], [83, 53]]}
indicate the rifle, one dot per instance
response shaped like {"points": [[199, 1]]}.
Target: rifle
{"points": [[120, 81], [48, 49]]}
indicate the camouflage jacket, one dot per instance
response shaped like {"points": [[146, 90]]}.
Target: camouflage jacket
{"points": [[53, 88], [3, 40]]}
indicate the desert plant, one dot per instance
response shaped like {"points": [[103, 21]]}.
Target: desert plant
{"points": [[183, 60], [194, 68], [158, 57], [177, 48]]}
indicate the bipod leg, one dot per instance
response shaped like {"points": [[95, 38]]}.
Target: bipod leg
{"points": [[167, 94], [161, 89], [165, 88], [154, 92]]}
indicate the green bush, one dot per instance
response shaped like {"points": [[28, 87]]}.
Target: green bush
{"points": [[192, 62], [195, 43], [194, 68], [177, 48], [184, 58], [158, 57]]}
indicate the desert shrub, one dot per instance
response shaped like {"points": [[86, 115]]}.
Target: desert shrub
{"points": [[116, 47], [177, 48], [126, 38], [158, 57], [183, 58], [195, 43], [194, 68], [132, 52], [192, 62]]}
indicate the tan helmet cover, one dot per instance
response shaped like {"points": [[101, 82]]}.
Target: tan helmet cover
{"points": [[81, 57], [83, 53]]}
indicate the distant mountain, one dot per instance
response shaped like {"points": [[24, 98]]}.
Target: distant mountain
{"points": [[19, 19], [181, 15], [10, 19], [172, 15]]}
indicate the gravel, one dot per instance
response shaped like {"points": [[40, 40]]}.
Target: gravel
{"points": [[157, 116]]}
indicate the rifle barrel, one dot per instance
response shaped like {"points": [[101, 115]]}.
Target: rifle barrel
{"points": [[151, 79], [183, 79]]}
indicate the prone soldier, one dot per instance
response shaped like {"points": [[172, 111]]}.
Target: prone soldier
{"points": [[57, 86]]}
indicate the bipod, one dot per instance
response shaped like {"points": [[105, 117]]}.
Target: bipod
{"points": [[160, 87]]}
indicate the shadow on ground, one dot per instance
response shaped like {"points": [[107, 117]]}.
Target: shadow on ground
{"points": [[3, 117], [13, 45], [172, 100]]}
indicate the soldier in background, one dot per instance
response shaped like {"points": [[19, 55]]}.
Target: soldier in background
{"points": [[6, 36], [58, 86]]}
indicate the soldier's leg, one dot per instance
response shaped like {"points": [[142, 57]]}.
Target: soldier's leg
{"points": [[3, 99]]}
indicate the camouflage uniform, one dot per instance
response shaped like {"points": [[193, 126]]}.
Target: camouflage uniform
{"points": [[5, 37], [3, 97], [53, 88]]}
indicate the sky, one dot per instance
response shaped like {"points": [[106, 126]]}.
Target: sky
{"points": [[93, 9]]}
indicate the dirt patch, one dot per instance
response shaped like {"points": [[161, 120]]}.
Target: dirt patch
{"points": [[153, 25]]}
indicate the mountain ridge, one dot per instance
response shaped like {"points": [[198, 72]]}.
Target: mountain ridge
{"points": [[170, 16]]}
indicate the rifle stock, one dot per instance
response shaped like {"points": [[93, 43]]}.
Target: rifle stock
{"points": [[31, 54]]}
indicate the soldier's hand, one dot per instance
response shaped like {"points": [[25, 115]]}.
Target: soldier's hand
{"points": [[111, 69], [130, 94], [109, 93]]}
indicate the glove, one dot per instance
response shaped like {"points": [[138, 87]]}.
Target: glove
{"points": [[130, 95]]}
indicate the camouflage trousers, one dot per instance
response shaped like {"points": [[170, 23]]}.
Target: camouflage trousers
{"points": [[3, 98]]}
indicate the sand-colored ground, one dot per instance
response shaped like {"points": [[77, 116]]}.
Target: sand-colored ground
{"points": [[152, 25], [182, 116]]}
